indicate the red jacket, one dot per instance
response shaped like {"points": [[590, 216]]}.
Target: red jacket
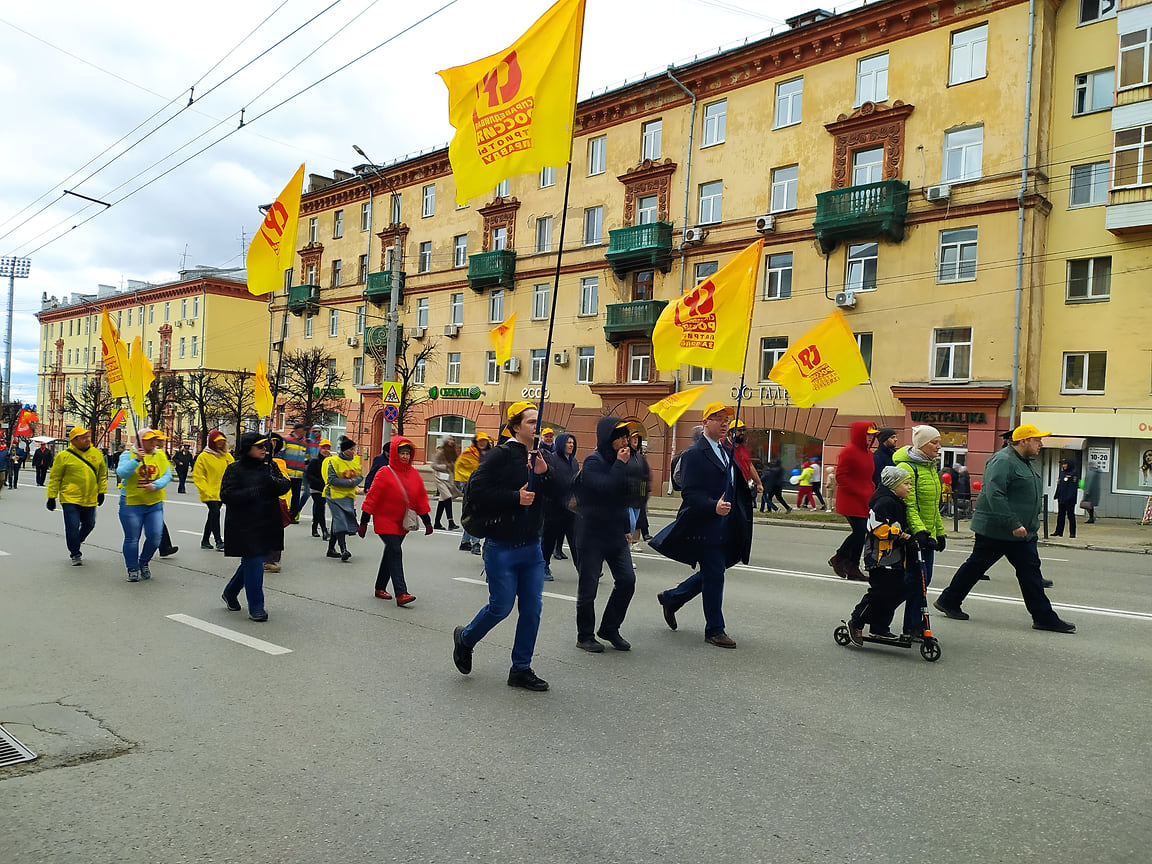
{"points": [[854, 473], [385, 500]]}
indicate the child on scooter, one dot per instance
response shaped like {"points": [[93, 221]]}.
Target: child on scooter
{"points": [[885, 548]]}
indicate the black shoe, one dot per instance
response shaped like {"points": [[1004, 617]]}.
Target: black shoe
{"points": [[461, 653], [1056, 626], [590, 645], [323, 533], [669, 612], [615, 640], [332, 553], [476, 550], [438, 527], [259, 616], [452, 526], [559, 556], [220, 546], [882, 634], [1054, 534], [207, 545], [315, 530], [527, 679], [956, 613], [1047, 583], [345, 555], [465, 546], [646, 537], [233, 606]]}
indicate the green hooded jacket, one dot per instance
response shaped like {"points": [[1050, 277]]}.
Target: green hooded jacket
{"points": [[923, 505], [1010, 498]]}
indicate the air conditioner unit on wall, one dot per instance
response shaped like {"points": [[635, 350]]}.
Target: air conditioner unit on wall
{"points": [[766, 223], [693, 235], [353, 342], [938, 193], [560, 358], [512, 365], [845, 299], [416, 332], [452, 330], [179, 322]]}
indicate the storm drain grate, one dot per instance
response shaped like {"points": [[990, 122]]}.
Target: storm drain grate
{"points": [[12, 751]]}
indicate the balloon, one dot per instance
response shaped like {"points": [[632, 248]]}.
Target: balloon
{"points": [[1081, 483], [946, 477], [976, 485], [795, 472], [794, 479]]}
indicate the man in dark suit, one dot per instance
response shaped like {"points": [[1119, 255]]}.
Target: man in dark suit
{"points": [[713, 529]]}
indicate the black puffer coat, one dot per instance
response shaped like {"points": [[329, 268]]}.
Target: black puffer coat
{"points": [[250, 492]]}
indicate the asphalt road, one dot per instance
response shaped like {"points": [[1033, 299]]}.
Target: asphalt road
{"points": [[162, 742]]}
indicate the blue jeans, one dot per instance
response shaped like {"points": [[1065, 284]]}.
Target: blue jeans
{"points": [[707, 581], [515, 574], [249, 576], [78, 524], [1023, 557], [914, 594], [133, 518]]}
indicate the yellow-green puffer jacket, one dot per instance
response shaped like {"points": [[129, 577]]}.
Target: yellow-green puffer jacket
{"points": [[923, 505]]}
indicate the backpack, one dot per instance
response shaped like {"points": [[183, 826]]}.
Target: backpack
{"points": [[676, 471]]}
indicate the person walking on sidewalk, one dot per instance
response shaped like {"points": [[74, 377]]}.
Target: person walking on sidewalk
{"points": [[1091, 497], [925, 523], [1066, 489], [466, 464], [342, 474], [207, 474], [817, 481], [314, 477], [5, 459], [853, 490], [182, 462], [144, 471], [508, 492], [16, 458], [79, 478], [443, 466], [804, 499], [42, 462], [253, 523], [773, 480], [1005, 521]]}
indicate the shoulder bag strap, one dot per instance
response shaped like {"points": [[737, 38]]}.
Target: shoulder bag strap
{"points": [[403, 491]]}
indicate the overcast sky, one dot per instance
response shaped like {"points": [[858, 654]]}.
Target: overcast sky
{"points": [[76, 78]]}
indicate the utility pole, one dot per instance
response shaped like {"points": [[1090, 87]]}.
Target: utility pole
{"points": [[14, 268]]}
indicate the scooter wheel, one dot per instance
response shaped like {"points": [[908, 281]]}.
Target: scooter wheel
{"points": [[930, 650], [840, 634]]}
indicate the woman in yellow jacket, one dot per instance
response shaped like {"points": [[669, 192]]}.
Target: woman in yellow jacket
{"points": [[144, 471], [79, 478], [342, 474], [207, 474]]}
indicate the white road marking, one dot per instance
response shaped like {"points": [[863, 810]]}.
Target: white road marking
{"points": [[482, 582], [193, 533], [168, 501], [225, 633], [4, 554]]}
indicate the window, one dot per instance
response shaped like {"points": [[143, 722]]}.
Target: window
{"points": [[396, 209], [363, 269], [460, 251], [778, 276], [1084, 372], [864, 343], [544, 234], [1093, 91], [868, 166], [1096, 10], [453, 376], [183, 309], [365, 216], [643, 284], [597, 153], [195, 346], [284, 326], [333, 322], [308, 319], [313, 229], [711, 198], [1134, 58], [536, 365], [357, 371], [699, 375], [963, 152], [650, 139], [491, 368], [500, 238], [69, 355], [588, 287], [957, 255], [129, 321], [195, 309], [428, 198], [784, 182], [953, 353], [789, 102], [425, 262], [503, 189], [422, 312], [715, 123], [418, 372], [1089, 186], [871, 80], [969, 58], [639, 362], [496, 306], [647, 208], [861, 272], [183, 347], [1131, 168], [331, 372], [361, 316], [705, 269], [167, 312], [593, 225], [338, 224], [1089, 279], [311, 274], [287, 279], [541, 300], [547, 177], [585, 365], [148, 351], [456, 309], [337, 269], [772, 348], [151, 316]]}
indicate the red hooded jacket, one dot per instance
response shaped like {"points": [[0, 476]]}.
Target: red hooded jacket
{"points": [[385, 500], [854, 473]]}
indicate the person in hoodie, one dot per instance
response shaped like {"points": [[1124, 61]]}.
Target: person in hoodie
{"points": [[924, 520], [853, 490], [342, 473], [601, 495], [253, 525], [884, 552], [207, 474], [144, 472], [558, 516], [396, 488]]}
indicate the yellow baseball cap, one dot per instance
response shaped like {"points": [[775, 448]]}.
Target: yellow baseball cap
{"points": [[548, 431], [736, 424], [482, 436], [716, 408], [76, 432], [324, 442], [519, 407], [147, 434], [1027, 430]]}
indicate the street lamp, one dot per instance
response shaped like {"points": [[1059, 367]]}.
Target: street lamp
{"points": [[14, 268]]}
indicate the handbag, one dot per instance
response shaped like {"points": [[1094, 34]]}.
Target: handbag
{"points": [[1087, 506], [285, 513], [411, 520]]}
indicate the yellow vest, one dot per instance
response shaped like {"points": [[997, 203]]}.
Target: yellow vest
{"points": [[73, 482], [150, 468], [339, 466]]}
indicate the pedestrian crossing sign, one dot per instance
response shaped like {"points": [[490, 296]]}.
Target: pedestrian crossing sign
{"points": [[391, 392]]}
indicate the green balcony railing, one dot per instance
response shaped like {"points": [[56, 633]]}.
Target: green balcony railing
{"points": [[632, 319], [492, 270], [379, 288], [861, 213], [304, 299], [640, 247]]}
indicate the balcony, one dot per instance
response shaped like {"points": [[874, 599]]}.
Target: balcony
{"points": [[492, 270], [861, 213], [630, 320], [304, 299], [379, 289], [640, 247]]}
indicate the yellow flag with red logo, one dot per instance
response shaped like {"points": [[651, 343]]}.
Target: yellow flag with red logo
{"points": [[708, 327], [672, 406], [502, 338], [514, 111], [262, 390], [273, 249], [115, 356], [824, 361], [140, 378]]}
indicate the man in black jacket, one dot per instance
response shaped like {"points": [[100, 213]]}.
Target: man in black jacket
{"points": [[601, 494], [42, 462], [182, 460], [507, 492]]}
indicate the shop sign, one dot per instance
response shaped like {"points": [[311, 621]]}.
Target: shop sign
{"points": [[472, 392], [1098, 458], [934, 417], [534, 393], [768, 394], [327, 393]]}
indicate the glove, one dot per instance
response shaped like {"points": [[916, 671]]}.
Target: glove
{"points": [[941, 542], [99, 498], [924, 541], [362, 529], [51, 505], [427, 529]]}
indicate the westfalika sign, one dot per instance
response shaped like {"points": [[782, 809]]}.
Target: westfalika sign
{"points": [[968, 417]]}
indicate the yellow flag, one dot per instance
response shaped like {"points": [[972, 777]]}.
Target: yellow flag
{"points": [[140, 379], [262, 394], [824, 361], [115, 356], [708, 327], [672, 406], [502, 338], [513, 111], [273, 249]]}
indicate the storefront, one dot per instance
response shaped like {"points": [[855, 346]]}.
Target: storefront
{"points": [[967, 418]]}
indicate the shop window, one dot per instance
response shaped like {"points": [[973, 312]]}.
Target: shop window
{"points": [[460, 429]]}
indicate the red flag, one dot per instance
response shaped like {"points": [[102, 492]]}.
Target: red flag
{"points": [[23, 425], [116, 421]]}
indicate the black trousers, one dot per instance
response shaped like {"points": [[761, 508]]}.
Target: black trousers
{"points": [[444, 504], [392, 565], [1066, 509], [318, 517], [595, 552], [41, 474], [777, 494], [853, 545], [558, 524], [212, 523], [642, 520], [298, 500], [885, 593], [1022, 555]]}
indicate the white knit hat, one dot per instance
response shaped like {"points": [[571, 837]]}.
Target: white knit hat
{"points": [[892, 476], [921, 435]]}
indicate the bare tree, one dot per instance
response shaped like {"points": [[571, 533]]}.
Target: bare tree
{"points": [[199, 399], [164, 397], [92, 405], [411, 394], [236, 398], [308, 385]]}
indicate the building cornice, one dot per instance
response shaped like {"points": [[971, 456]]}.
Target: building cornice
{"points": [[147, 296]]}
